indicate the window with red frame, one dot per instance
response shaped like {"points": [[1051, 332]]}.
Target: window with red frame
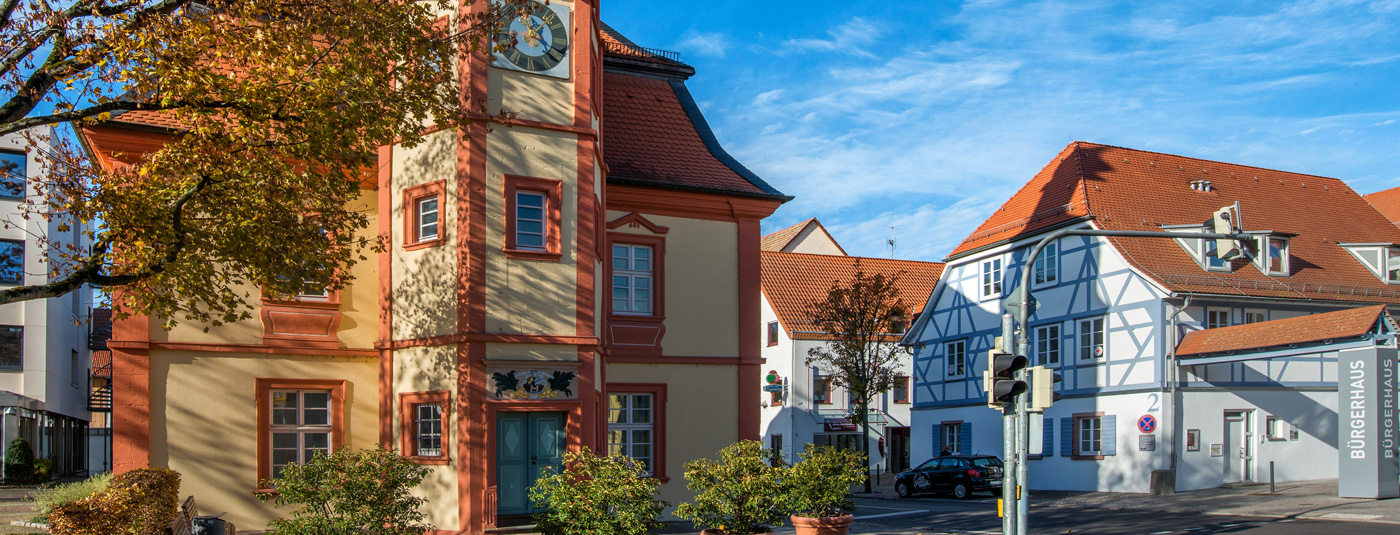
{"points": [[772, 333], [821, 389], [901, 389]]}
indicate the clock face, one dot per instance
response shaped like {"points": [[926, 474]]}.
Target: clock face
{"points": [[537, 41]]}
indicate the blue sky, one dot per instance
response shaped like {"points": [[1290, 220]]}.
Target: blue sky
{"points": [[926, 116]]}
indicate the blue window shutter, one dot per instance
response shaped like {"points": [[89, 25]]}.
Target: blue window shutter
{"points": [[1047, 442], [937, 440], [1066, 437], [965, 440], [1110, 434]]}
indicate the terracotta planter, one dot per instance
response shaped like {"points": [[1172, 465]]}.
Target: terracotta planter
{"points": [[830, 525]]}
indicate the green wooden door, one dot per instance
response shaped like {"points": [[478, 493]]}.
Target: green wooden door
{"points": [[526, 444]]}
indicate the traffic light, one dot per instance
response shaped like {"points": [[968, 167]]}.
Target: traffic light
{"points": [[1043, 393], [1224, 221], [1000, 378]]}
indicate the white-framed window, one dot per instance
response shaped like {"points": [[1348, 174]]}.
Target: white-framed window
{"points": [[1217, 317], [1091, 338], [632, 279], [1255, 316], [1212, 261], [1047, 345], [1275, 258], [1392, 265], [957, 357], [301, 426], [529, 220], [1275, 428], [427, 212], [631, 427], [1089, 440], [821, 389], [427, 426], [952, 438], [1047, 265], [991, 278]]}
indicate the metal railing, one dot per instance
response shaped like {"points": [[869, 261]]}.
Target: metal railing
{"points": [[640, 51]]}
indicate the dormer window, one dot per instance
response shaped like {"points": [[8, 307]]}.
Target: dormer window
{"points": [[1202, 250], [1381, 259], [1274, 261]]}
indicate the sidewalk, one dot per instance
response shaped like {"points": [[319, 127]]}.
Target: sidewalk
{"points": [[1299, 499]]}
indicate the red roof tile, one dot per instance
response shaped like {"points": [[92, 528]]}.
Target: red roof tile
{"points": [[776, 241], [650, 138], [1341, 324], [792, 280], [1387, 203], [1127, 189]]}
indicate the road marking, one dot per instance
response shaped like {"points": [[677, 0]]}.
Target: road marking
{"points": [[901, 512], [1349, 516], [1162, 532]]}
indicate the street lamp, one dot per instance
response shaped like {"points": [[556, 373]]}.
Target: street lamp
{"points": [[4, 418]]}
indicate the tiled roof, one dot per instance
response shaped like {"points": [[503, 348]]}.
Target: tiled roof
{"points": [[792, 280], [615, 44], [1127, 189], [780, 239], [653, 135], [1387, 202], [1337, 325], [157, 119]]}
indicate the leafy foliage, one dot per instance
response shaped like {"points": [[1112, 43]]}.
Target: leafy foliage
{"points": [[50, 498], [597, 495], [276, 109], [365, 492], [737, 495], [139, 502], [43, 470], [19, 461], [819, 484], [863, 354]]}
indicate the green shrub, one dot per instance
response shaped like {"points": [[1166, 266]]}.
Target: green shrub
{"points": [[366, 492], [819, 484], [736, 495], [48, 498], [19, 461], [139, 502], [43, 471], [597, 495]]}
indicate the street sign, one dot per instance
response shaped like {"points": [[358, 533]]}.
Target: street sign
{"points": [[1012, 303], [772, 388], [1147, 423]]}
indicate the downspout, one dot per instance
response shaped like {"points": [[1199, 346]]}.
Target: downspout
{"points": [[1174, 377]]}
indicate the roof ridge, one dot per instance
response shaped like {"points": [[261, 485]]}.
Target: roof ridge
{"points": [[1213, 161], [852, 258]]}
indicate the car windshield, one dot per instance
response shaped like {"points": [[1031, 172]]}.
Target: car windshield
{"points": [[986, 461]]}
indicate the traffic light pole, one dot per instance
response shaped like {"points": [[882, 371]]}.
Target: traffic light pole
{"points": [[1016, 424], [1010, 440]]}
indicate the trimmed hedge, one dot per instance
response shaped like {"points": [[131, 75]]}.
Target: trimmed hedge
{"points": [[19, 461], [139, 502]]}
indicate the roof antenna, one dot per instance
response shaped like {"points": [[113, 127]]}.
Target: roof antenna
{"points": [[891, 240]]}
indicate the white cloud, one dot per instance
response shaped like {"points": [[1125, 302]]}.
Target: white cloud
{"points": [[848, 38], [1386, 122], [704, 44]]}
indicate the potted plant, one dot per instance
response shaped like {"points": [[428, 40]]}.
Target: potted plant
{"points": [[736, 495], [595, 494], [816, 490]]}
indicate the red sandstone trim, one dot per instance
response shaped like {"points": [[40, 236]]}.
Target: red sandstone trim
{"points": [[636, 220], [750, 310], [658, 391], [385, 214], [553, 191], [408, 433], [411, 240], [263, 403], [686, 204], [495, 338]]}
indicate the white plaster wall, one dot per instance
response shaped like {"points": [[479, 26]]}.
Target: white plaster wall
{"points": [[1312, 456]]}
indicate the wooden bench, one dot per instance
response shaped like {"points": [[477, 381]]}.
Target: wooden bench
{"points": [[184, 521]]}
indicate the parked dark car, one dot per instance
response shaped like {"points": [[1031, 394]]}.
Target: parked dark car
{"points": [[959, 475]]}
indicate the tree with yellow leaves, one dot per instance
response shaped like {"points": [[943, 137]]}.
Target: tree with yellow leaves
{"points": [[277, 107]]}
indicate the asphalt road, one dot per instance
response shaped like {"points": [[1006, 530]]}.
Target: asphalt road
{"points": [[933, 515]]}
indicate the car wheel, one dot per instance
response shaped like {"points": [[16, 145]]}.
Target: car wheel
{"points": [[902, 489], [961, 492]]}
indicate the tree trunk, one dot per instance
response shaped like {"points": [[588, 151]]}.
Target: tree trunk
{"points": [[865, 440]]}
